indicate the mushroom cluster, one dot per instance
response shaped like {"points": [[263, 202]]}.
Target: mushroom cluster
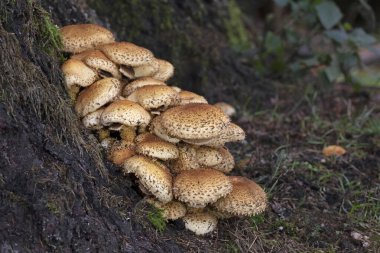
{"points": [[172, 140]]}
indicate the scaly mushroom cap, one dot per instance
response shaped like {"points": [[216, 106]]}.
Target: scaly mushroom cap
{"points": [[170, 211], [157, 128], [247, 198], [200, 187], [154, 96], [194, 121], [78, 73], [92, 120], [165, 70], [159, 149], [187, 159], [228, 161], [154, 176], [231, 133], [121, 151], [126, 53], [146, 70], [138, 83], [188, 97], [81, 37], [200, 223], [208, 157], [97, 60], [97, 95], [228, 109], [125, 112]]}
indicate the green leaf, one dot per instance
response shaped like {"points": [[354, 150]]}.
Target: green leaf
{"points": [[333, 71], [273, 43], [329, 14], [361, 38], [339, 36], [281, 3]]}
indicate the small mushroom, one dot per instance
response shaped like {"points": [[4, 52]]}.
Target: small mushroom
{"points": [[97, 95], [154, 176], [246, 198], [120, 151], [200, 223], [154, 96], [228, 109], [200, 187], [172, 210], [157, 128], [97, 60], [125, 112], [188, 97], [165, 70], [81, 37], [138, 83], [194, 121], [154, 147], [78, 73], [92, 120]]}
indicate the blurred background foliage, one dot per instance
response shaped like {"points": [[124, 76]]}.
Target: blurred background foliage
{"points": [[332, 40]]}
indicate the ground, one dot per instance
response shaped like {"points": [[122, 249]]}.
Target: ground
{"points": [[59, 194]]}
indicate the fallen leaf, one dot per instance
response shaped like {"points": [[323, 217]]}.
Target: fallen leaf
{"points": [[334, 150]]}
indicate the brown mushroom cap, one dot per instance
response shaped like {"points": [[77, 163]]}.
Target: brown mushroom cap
{"points": [[157, 128], [208, 157], [165, 70], [127, 53], [97, 95], [138, 83], [81, 37], [146, 70], [125, 112], [227, 163], [197, 188], [97, 60], [128, 133], [170, 211], [153, 175], [188, 97], [228, 109], [121, 151], [193, 121], [77, 73], [200, 223], [247, 198], [158, 148], [92, 120], [154, 96]]}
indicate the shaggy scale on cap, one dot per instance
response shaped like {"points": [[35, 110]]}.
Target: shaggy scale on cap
{"points": [[188, 97], [125, 112], [200, 187], [154, 96], [146, 70], [78, 73], [157, 148], [187, 159], [228, 161], [97, 95], [247, 198], [165, 70], [200, 223], [81, 37], [126, 53], [194, 121], [97, 60], [138, 83], [208, 157], [154, 176], [157, 128]]}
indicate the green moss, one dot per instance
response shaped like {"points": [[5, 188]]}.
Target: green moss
{"points": [[236, 32], [156, 218]]}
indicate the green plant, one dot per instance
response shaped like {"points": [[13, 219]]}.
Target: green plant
{"points": [[156, 218], [314, 37]]}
